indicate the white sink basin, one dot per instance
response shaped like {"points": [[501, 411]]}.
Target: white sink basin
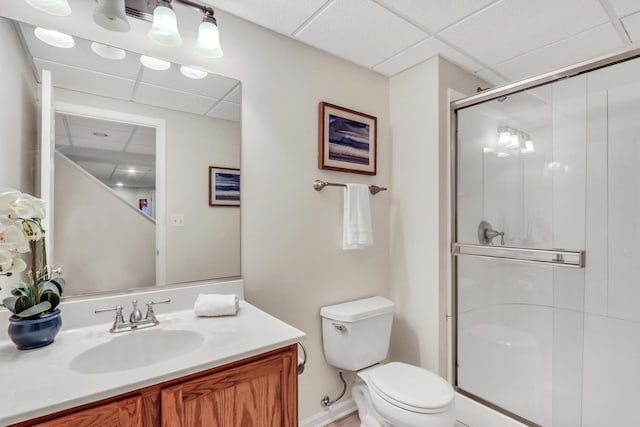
{"points": [[135, 349]]}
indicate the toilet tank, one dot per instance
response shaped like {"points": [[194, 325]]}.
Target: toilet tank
{"points": [[356, 334]]}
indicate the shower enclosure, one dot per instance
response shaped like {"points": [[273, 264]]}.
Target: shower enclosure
{"points": [[546, 252]]}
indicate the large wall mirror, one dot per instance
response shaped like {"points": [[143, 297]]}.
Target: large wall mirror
{"points": [[114, 228]]}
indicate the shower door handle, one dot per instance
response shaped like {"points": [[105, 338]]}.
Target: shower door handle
{"points": [[555, 257]]}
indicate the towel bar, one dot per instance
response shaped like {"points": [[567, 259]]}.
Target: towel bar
{"points": [[319, 185]]}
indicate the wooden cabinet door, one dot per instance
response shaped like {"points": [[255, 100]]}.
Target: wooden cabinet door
{"points": [[123, 413], [257, 394]]}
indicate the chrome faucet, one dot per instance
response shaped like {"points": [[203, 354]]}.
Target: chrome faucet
{"points": [[136, 321]]}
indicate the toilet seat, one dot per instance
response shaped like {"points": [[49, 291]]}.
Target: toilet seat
{"points": [[411, 388]]}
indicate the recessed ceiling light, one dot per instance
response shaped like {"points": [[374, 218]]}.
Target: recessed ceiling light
{"points": [[119, 184], [100, 134], [54, 38], [132, 171], [54, 7], [193, 73], [108, 52], [155, 63]]}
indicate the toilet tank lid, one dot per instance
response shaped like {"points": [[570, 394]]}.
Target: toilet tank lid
{"points": [[357, 310]]}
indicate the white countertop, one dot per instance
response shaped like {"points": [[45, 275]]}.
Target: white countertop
{"points": [[28, 393]]}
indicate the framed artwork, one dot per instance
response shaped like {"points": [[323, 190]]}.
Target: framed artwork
{"points": [[347, 140], [224, 186]]}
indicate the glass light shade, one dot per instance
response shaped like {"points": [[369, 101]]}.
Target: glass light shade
{"points": [[54, 7], [514, 141], [528, 147], [108, 52], [110, 14], [155, 63], [165, 27], [193, 73], [208, 43], [502, 154], [504, 136], [54, 38]]}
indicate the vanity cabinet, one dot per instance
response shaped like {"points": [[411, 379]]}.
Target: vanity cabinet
{"points": [[261, 391]]}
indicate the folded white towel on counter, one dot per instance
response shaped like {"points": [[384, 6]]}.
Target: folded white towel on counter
{"points": [[216, 305], [357, 231]]}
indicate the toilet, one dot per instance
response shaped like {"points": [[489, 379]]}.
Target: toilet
{"points": [[355, 338]]}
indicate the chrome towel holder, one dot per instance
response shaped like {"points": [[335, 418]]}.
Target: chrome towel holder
{"points": [[318, 185]]}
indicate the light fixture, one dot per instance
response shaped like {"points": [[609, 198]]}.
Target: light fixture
{"points": [[154, 63], [108, 52], [504, 136], [208, 43], [165, 25], [54, 7], [54, 38], [132, 171], [119, 184], [193, 73], [110, 14]]}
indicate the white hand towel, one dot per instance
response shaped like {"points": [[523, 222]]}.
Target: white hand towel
{"points": [[216, 305], [357, 231]]}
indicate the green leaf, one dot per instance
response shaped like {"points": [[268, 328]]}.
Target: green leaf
{"points": [[10, 303], [51, 296], [35, 310], [60, 283], [49, 286], [23, 303]]}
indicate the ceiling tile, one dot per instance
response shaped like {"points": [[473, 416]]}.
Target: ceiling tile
{"points": [[81, 56], [625, 7], [141, 149], [434, 15], [491, 76], [584, 46], [172, 99], [212, 86], [143, 139], [632, 25], [423, 51], [513, 27], [283, 16], [102, 171], [378, 35], [86, 81], [235, 95], [226, 110], [99, 143]]}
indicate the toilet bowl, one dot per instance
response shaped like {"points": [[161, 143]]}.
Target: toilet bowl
{"points": [[401, 395], [356, 338]]}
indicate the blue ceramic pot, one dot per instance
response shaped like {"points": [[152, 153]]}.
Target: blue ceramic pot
{"points": [[34, 333]]}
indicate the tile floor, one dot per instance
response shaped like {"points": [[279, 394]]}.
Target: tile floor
{"points": [[353, 421]]}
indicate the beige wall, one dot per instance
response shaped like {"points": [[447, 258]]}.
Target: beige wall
{"points": [[18, 123], [209, 243], [419, 252], [93, 226], [18, 114], [292, 263]]}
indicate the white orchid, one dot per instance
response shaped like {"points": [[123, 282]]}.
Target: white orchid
{"points": [[21, 232], [20, 224]]}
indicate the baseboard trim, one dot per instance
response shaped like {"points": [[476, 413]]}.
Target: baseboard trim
{"points": [[330, 414]]}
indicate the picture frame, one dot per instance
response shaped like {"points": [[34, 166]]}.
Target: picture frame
{"points": [[347, 140], [224, 186]]}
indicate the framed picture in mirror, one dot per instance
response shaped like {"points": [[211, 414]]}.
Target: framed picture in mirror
{"points": [[347, 140], [224, 186]]}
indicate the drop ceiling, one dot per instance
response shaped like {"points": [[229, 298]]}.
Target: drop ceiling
{"points": [[80, 69], [499, 40]]}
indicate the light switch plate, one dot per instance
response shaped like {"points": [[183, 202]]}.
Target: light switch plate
{"points": [[177, 220]]}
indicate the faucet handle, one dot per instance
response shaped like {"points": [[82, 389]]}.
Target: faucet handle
{"points": [[150, 313], [119, 317]]}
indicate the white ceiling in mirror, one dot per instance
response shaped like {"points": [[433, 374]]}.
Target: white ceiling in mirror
{"points": [[81, 69], [117, 154]]}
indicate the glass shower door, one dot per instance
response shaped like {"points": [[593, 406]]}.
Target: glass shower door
{"points": [[519, 240]]}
